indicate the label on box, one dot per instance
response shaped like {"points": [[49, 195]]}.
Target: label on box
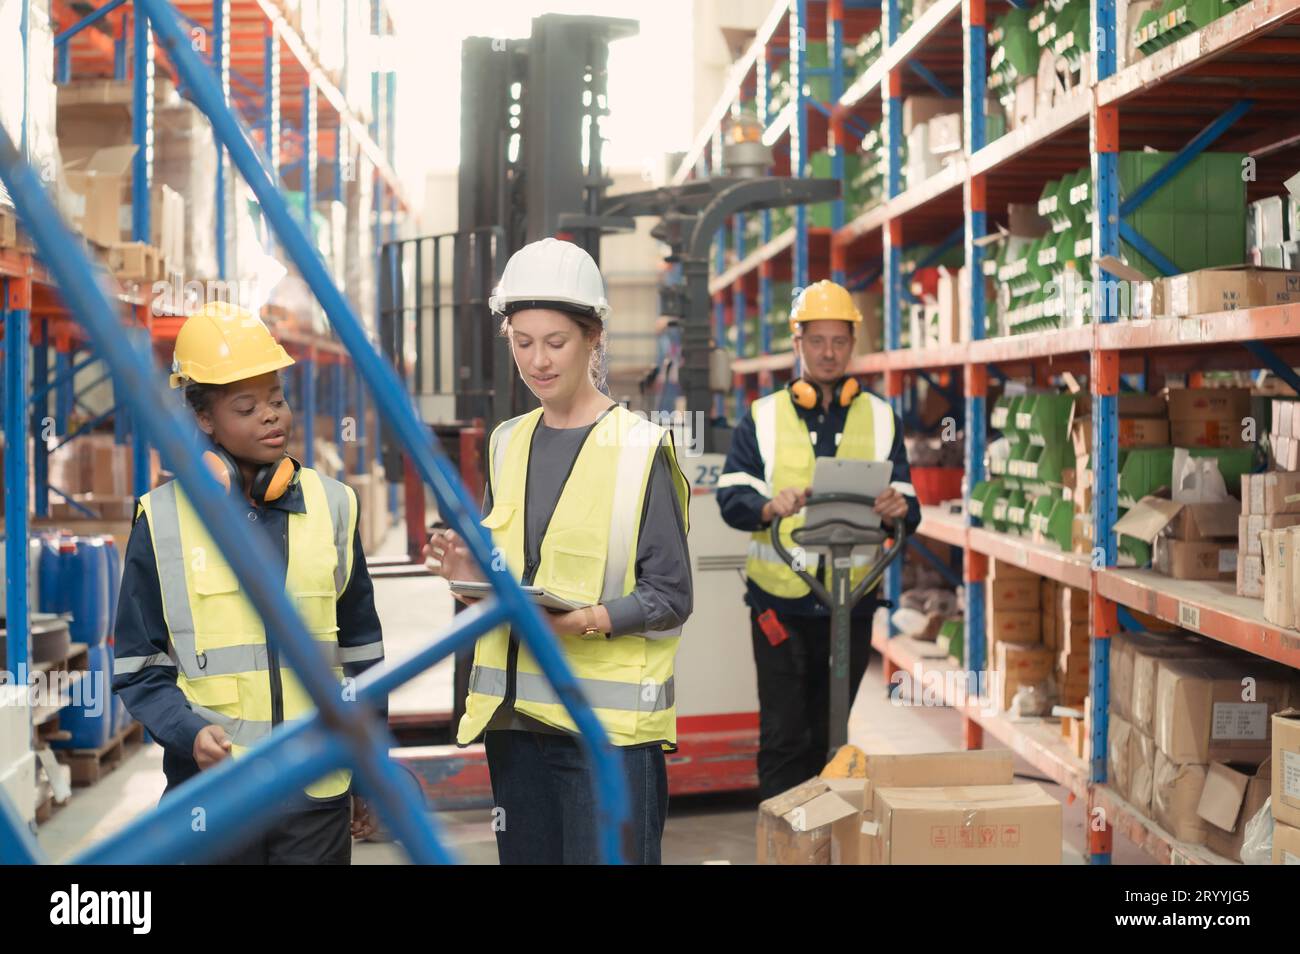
{"points": [[1189, 616], [1189, 329], [1240, 720], [1291, 774], [1227, 561]]}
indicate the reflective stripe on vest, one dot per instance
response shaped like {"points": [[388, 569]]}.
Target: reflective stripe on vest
{"points": [[789, 460], [589, 555], [601, 693]]}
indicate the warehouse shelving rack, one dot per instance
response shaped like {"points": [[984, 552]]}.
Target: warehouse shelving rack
{"points": [[242, 793], [1232, 82]]}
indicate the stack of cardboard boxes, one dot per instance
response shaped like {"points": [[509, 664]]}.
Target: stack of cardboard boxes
{"points": [[99, 474], [1285, 787], [1264, 510], [1073, 650], [1209, 417], [1189, 733], [951, 808], [1284, 435], [1015, 632]]}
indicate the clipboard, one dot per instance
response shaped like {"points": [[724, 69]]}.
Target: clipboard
{"points": [[535, 594], [842, 475]]}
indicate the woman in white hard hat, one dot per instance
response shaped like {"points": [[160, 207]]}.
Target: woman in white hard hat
{"points": [[586, 500]]}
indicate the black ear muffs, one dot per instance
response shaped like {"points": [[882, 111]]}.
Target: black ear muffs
{"points": [[806, 395], [269, 483]]}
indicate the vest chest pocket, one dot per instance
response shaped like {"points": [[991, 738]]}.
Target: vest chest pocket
{"points": [[218, 693], [317, 609], [222, 614], [573, 564]]}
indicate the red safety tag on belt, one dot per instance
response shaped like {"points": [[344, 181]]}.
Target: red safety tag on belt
{"points": [[771, 626]]}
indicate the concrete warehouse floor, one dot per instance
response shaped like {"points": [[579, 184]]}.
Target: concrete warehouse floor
{"points": [[701, 829]]}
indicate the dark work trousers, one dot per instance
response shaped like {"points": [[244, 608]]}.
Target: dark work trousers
{"points": [[794, 682], [317, 836], [545, 808]]}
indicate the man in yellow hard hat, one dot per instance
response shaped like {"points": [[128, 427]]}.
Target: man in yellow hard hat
{"points": [[192, 661], [768, 474]]}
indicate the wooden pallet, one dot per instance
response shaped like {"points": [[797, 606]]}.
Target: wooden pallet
{"points": [[88, 766], [137, 262]]}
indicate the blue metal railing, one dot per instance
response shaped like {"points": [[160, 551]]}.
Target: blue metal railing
{"points": [[241, 794]]}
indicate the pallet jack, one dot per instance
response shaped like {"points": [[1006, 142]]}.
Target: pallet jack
{"points": [[839, 537]]}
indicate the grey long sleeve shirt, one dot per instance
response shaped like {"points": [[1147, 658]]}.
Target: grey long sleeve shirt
{"points": [[662, 598]]}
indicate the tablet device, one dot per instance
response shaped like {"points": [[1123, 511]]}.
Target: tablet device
{"points": [[535, 593], [833, 475]]}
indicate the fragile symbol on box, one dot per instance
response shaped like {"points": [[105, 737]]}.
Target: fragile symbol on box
{"points": [[988, 836], [965, 837], [940, 836], [1010, 836]]}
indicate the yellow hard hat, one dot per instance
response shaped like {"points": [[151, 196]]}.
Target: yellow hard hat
{"points": [[222, 343], [823, 301]]}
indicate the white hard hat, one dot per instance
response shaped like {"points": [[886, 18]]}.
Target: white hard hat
{"points": [[551, 273]]}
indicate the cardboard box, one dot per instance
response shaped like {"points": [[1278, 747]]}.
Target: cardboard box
{"points": [[1118, 757], [785, 838], [1285, 760], [921, 109], [1286, 844], [1019, 665], [1234, 792], [1211, 433], [1250, 526], [1014, 594], [1208, 404], [1212, 290], [1194, 523], [1175, 795], [96, 185], [1250, 576], [1276, 546], [1146, 653], [968, 825], [1141, 770], [1048, 591], [1001, 570], [1209, 560], [1268, 492], [1209, 710], [1014, 626], [853, 837], [1144, 432], [945, 133]]}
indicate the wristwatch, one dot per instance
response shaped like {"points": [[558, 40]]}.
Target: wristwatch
{"points": [[592, 631]]}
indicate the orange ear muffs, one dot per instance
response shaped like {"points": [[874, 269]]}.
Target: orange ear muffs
{"points": [[270, 482], [273, 480], [806, 395]]}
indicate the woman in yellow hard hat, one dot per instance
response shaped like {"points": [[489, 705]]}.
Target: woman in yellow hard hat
{"points": [[585, 500], [192, 661]]}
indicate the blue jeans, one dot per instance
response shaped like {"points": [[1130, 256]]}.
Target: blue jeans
{"points": [[545, 808]]}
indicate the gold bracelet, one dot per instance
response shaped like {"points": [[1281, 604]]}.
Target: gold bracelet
{"points": [[592, 631]]}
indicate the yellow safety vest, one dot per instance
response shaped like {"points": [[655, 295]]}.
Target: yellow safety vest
{"points": [[789, 459], [218, 642], [588, 555]]}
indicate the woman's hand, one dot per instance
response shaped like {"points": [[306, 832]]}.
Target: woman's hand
{"points": [[447, 555]]}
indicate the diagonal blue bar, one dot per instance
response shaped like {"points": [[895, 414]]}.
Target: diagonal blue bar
{"points": [[1147, 250], [1181, 159], [89, 19], [1270, 359], [399, 414], [933, 81], [930, 557]]}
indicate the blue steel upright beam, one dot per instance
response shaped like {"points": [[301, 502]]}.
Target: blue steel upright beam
{"points": [[454, 503], [40, 411], [738, 309], [338, 386], [221, 63], [1104, 383], [271, 97], [892, 123], [835, 128], [141, 129], [976, 376], [16, 306], [119, 52]]}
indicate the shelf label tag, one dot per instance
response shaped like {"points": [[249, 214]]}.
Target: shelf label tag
{"points": [[1189, 617]]}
